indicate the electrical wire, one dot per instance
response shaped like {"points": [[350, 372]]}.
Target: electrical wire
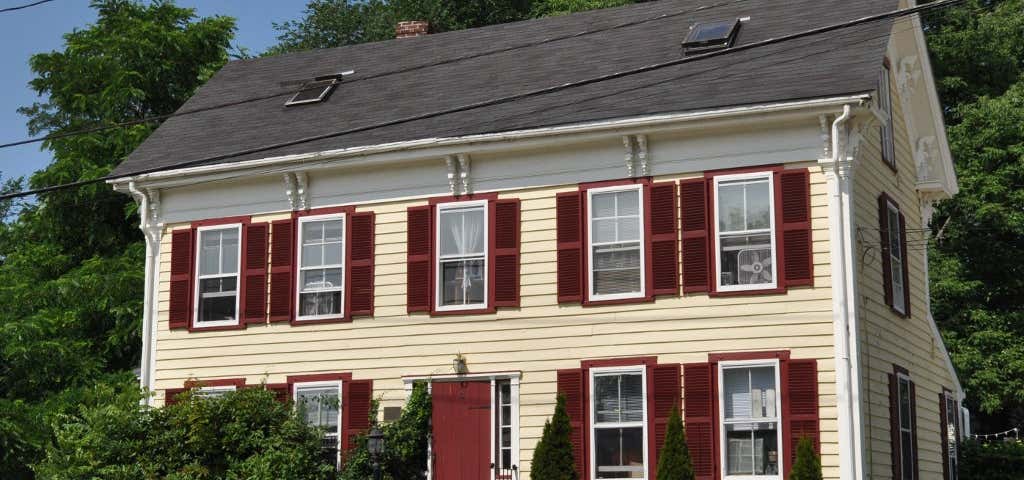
{"points": [[290, 92], [509, 98], [22, 7]]}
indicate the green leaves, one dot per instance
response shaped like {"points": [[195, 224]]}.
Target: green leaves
{"points": [[553, 458], [674, 461]]}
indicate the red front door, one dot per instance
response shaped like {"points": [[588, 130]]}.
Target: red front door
{"points": [[462, 430]]}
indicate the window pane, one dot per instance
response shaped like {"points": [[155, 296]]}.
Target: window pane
{"points": [[907, 455], [462, 282], [320, 303], [462, 231], [629, 229], [312, 232], [602, 205], [730, 208], [320, 406], [752, 449], [632, 397], [619, 398], [749, 392], [313, 280], [506, 458], [619, 452], [616, 269], [758, 211], [894, 234], [333, 230], [628, 203], [333, 253], [905, 404], [746, 260], [218, 285], [737, 393], [604, 230], [209, 252], [217, 299], [312, 255], [229, 251]]}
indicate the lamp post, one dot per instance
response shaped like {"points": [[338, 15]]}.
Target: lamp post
{"points": [[375, 445]]}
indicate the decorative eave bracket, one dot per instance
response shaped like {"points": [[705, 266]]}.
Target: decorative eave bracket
{"points": [[459, 174], [296, 190], [637, 156]]}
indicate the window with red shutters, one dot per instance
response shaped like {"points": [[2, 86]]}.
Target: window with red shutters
{"points": [[357, 399], [903, 425], [255, 278], [418, 259], [699, 416], [569, 233], [506, 252], [663, 251], [800, 401], [571, 384], [361, 264], [180, 305], [282, 259], [666, 388], [693, 203], [893, 241], [798, 261]]}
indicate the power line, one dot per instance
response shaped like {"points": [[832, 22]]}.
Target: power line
{"points": [[398, 71], [22, 7], [509, 98]]}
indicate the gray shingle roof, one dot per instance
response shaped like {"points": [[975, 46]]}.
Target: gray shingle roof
{"points": [[839, 63]]}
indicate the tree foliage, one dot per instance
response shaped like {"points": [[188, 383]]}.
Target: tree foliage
{"points": [[405, 457], [807, 465], [674, 462], [552, 457]]}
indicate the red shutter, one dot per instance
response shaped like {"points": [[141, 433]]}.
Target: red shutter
{"points": [[800, 407], [894, 426], [360, 261], [171, 395], [419, 259], [699, 415], [280, 390], [913, 429], [906, 265], [254, 286], [568, 215], [181, 278], [664, 382], [662, 253], [506, 253], [357, 400], [693, 196], [282, 257], [572, 384], [944, 435], [883, 233], [798, 264]]}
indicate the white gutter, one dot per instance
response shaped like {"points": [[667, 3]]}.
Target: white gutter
{"points": [[147, 366], [838, 171], [419, 147]]}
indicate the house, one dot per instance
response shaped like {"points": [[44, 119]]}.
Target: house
{"points": [[605, 205]]}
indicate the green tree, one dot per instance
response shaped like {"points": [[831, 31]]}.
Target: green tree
{"points": [[552, 457], [807, 465], [405, 457], [674, 462]]}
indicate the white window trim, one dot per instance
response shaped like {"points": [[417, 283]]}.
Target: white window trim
{"points": [[900, 378], [590, 244], [196, 322], [770, 176], [331, 383], [299, 269], [214, 392], [642, 370], [894, 275], [952, 460], [722, 367], [513, 398], [437, 257]]}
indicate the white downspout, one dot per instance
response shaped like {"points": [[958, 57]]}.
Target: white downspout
{"points": [[152, 245], [837, 173]]}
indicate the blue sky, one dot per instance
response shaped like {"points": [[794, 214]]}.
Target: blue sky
{"points": [[40, 29]]}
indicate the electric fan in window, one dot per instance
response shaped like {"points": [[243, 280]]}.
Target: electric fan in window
{"points": [[755, 266]]}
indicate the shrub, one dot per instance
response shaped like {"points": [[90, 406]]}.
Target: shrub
{"points": [[405, 453], [552, 458], [807, 465], [991, 461], [674, 461]]}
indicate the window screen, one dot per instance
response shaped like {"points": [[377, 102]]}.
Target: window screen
{"points": [[751, 415], [218, 275], [745, 229], [616, 243]]}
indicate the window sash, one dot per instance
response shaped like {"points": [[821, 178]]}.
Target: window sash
{"points": [[896, 255], [642, 424], [776, 420], [906, 433], [720, 234], [328, 435], [237, 275], [300, 287], [592, 246], [213, 392], [441, 260]]}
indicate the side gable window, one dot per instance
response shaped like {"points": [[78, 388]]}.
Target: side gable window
{"points": [[893, 237], [745, 237], [885, 105], [321, 276], [319, 403], [217, 282], [616, 246], [462, 256], [896, 253]]}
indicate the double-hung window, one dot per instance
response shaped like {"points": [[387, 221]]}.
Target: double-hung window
{"points": [[751, 419], [616, 243], [906, 427], [321, 267], [745, 237], [618, 420], [952, 411], [217, 283], [462, 256], [319, 403], [213, 392], [896, 256], [885, 105]]}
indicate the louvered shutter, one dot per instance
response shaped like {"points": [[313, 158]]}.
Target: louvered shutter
{"points": [[357, 398], [254, 287], [796, 227], [282, 258], [361, 264], [667, 394], [894, 426], [171, 395], [699, 415], [506, 253], [569, 237], [693, 196], [913, 429], [944, 435], [180, 307], [572, 385], [800, 407], [906, 265], [419, 293], [280, 390], [662, 253], [883, 233]]}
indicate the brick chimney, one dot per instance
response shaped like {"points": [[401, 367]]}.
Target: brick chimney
{"points": [[413, 28]]}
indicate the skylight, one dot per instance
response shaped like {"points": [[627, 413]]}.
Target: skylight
{"points": [[312, 92], [707, 36]]}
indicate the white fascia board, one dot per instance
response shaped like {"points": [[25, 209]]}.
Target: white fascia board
{"points": [[436, 147]]}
